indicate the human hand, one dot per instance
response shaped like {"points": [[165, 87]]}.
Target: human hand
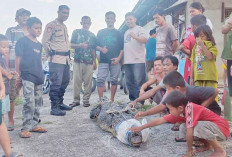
{"points": [[133, 104], [84, 45], [200, 42], [133, 35], [115, 60], [136, 129], [9, 76], [189, 154], [138, 115], [2, 94], [104, 50]]}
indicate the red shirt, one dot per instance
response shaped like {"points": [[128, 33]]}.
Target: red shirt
{"points": [[195, 113], [188, 43]]}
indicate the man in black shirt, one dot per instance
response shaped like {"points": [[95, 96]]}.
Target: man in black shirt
{"points": [[110, 45]]}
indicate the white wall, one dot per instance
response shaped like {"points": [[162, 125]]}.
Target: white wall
{"points": [[213, 12]]}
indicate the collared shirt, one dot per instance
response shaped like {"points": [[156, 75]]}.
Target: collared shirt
{"points": [[13, 34], [55, 38]]}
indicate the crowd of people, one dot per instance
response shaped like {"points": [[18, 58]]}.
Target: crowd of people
{"points": [[190, 99]]}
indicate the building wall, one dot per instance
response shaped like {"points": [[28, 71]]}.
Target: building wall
{"points": [[213, 12]]}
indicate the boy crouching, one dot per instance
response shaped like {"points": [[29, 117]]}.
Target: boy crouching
{"points": [[29, 66], [199, 122]]}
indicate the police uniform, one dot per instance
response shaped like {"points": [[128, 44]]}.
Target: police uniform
{"points": [[55, 39]]}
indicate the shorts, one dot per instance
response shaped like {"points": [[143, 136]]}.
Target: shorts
{"points": [[14, 92], [149, 65], [103, 71], [6, 105]]}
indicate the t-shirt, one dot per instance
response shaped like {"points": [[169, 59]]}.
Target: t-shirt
{"points": [[165, 35], [5, 79], [134, 51], [198, 95], [151, 49], [189, 28], [30, 64], [227, 51], [195, 113], [113, 40], [13, 34], [188, 43], [83, 55], [204, 69]]}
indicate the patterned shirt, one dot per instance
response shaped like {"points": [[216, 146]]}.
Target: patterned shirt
{"points": [[84, 55], [13, 34]]}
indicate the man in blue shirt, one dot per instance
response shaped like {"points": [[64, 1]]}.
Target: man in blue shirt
{"points": [[150, 52]]}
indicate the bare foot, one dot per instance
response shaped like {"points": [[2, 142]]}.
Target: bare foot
{"points": [[203, 148], [221, 153]]}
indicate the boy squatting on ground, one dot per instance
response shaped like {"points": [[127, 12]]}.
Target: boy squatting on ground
{"points": [[199, 121], [29, 66], [4, 136], [203, 96]]}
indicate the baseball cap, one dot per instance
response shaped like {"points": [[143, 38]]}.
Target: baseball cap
{"points": [[22, 11]]}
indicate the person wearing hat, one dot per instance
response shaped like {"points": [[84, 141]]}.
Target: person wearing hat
{"points": [[56, 44], [14, 34]]}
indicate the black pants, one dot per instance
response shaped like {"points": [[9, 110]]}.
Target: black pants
{"points": [[59, 76], [229, 77]]}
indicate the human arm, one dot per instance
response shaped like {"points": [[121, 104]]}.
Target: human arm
{"points": [[147, 84], [192, 74], [211, 99], [189, 137], [48, 31], [6, 73], [227, 27], [174, 46], [141, 39], [208, 54], [117, 59], [146, 95], [152, 111], [94, 59], [2, 87], [184, 50], [152, 123]]}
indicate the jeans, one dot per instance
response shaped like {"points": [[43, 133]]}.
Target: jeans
{"points": [[135, 78]]}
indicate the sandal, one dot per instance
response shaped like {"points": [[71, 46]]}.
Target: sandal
{"points": [[25, 134], [177, 139], [10, 128], [198, 144], [39, 130], [14, 154], [175, 128]]}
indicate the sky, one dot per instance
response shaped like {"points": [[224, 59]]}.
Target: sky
{"points": [[46, 11]]}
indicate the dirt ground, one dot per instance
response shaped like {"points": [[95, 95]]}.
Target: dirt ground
{"points": [[77, 135]]}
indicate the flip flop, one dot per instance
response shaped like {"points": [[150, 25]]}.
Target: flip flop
{"points": [[25, 134], [177, 139], [10, 128], [14, 154], [39, 130]]}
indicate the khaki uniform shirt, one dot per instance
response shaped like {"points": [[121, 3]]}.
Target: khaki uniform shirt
{"points": [[55, 37]]}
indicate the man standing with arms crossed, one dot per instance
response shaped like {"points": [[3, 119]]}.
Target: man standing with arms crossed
{"points": [[56, 44]]}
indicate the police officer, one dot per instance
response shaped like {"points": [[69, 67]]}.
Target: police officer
{"points": [[56, 44]]}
